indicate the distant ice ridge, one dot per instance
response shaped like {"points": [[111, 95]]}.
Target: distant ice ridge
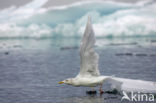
{"points": [[110, 19]]}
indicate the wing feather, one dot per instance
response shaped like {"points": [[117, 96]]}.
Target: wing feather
{"points": [[129, 85], [88, 57]]}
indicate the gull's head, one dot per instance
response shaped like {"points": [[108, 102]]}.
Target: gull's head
{"points": [[68, 81]]}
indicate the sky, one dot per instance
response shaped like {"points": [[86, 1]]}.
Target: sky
{"points": [[17, 3]]}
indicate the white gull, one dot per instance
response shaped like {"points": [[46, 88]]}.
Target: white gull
{"points": [[89, 75]]}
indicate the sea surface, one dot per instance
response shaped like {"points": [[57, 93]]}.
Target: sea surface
{"points": [[30, 69]]}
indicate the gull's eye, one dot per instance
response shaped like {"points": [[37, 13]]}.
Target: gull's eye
{"points": [[66, 80]]}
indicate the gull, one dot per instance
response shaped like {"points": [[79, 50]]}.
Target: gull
{"points": [[89, 75]]}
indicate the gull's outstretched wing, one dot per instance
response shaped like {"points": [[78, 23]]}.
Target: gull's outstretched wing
{"points": [[88, 57], [129, 85]]}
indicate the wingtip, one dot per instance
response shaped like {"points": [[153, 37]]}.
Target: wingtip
{"points": [[89, 19]]}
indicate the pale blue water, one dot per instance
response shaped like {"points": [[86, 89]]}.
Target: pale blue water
{"points": [[31, 69]]}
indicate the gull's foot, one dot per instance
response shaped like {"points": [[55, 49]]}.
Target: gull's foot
{"points": [[101, 91], [91, 92]]}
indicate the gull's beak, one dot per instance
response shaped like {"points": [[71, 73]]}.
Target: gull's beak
{"points": [[61, 82]]}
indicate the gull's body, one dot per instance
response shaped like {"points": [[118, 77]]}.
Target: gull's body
{"points": [[89, 75], [88, 81]]}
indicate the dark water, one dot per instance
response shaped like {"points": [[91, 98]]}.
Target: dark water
{"points": [[30, 69]]}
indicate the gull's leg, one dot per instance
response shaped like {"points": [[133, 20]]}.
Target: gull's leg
{"points": [[101, 91]]}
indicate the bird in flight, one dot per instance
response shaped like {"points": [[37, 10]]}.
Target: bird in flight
{"points": [[89, 75]]}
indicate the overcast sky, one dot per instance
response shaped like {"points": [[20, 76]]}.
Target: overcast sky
{"points": [[8, 3]]}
